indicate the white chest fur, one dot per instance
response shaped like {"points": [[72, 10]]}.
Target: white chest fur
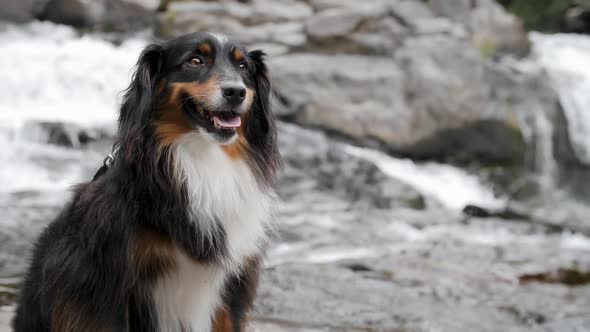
{"points": [[221, 190]]}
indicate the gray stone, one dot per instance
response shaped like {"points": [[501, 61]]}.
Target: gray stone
{"points": [[493, 27], [151, 5], [279, 11], [410, 11], [320, 5], [445, 85], [100, 15], [360, 96], [20, 11], [403, 103], [438, 25], [333, 23], [270, 49], [457, 10]]}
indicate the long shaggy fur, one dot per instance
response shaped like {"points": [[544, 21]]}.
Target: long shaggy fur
{"points": [[169, 238]]}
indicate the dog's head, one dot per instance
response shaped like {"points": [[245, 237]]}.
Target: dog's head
{"points": [[203, 83]]}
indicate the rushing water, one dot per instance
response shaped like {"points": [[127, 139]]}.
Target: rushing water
{"points": [[51, 75], [566, 58]]}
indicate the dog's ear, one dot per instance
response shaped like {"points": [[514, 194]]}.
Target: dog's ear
{"points": [[263, 115], [261, 127], [139, 99]]}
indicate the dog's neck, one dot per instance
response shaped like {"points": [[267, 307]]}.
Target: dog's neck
{"points": [[223, 194]]}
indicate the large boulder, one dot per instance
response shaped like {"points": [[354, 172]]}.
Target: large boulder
{"points": [[360, 96], [421, 103]]}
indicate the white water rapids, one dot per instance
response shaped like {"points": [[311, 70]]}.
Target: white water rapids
{"points": [[566, 58]]}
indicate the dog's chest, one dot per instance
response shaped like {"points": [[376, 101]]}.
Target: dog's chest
{"points": [[221, 190]]}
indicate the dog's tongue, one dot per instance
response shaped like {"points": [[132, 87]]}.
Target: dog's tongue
{"points": [[229, 122]]}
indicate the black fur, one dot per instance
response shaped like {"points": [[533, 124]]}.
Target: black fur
{"points": [[83, 272]]}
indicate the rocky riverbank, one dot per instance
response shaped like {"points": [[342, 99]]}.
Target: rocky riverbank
{"points": [[358, 250]]}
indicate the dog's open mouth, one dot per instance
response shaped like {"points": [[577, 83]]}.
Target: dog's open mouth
{"points": [[221, 121], [228, 120]]}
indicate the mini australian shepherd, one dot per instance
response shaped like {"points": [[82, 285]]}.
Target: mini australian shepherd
{"points": [[169, 237]]}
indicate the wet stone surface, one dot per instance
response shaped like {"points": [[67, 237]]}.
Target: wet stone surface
{"points": [[353, 253]]}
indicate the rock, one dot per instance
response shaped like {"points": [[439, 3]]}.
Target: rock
{"points": [[320, 5], [435, 70], [63, 134], [279, 11], [405, 106], [360, 96], [439, 25], [248, 23], [333, 23], [577, 18], [457, 10], [311, 155], [150, 5], [410, 12], [100, 15], [21, 11], [271, 49], [491, 27], [364, 29]]}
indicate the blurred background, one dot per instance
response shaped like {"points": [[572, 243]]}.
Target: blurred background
{"points": [[436, 153]]}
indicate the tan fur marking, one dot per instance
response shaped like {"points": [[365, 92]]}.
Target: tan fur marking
{"points": [[238, 149], [173, 123], [223, 322], [238, 55], [153, 253], [205, 48]]}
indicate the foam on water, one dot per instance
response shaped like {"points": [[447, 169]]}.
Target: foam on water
{"points": [[566, 57], [451, 186], [50, 73]]}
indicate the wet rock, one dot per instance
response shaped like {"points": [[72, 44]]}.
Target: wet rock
{"points": [[101, 15], [312, 156], [63, 134], [577, 18], [22, 10]]}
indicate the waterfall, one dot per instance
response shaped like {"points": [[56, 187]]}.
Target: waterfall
{"points": [[51, 75], [566, 58]]}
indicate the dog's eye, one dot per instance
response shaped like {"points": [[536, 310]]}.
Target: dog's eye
{"points": [[195, 61], [243, 66]]}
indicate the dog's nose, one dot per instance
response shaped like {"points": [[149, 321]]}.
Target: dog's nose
{"points": [[234, 94]]}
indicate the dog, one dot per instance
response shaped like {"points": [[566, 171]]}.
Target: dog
{"points": [[169, 237]]}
